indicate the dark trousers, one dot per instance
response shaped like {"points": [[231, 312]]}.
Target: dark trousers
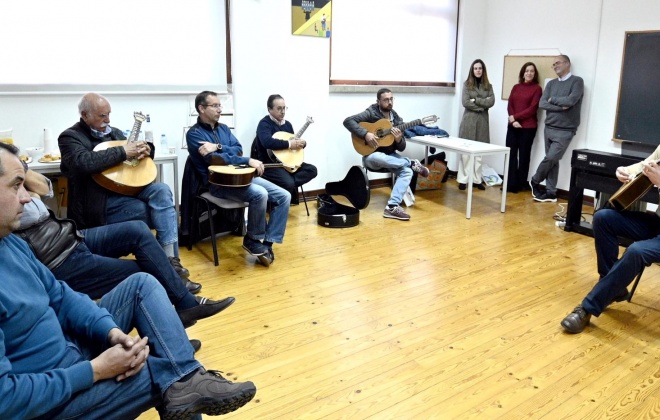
{"points": [[520, 141], [95, 267], [291, 181], [616, 274]]}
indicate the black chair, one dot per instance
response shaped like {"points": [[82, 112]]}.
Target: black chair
{"points": [[207, 208], [254, 154]]}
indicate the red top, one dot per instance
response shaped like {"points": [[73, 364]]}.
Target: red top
{"points": [[524, 102]]}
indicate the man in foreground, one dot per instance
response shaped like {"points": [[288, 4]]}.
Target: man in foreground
{"points": [[62, 356], [608, 225]]}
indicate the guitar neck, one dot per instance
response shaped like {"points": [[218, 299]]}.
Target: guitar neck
{"points": [[302, 130], [135, 131], [408, 125]]}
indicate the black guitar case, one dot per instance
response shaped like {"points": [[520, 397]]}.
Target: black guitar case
{"points": [[355, 187]]}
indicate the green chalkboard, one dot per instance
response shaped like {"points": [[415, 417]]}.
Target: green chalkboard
{"points": [[638, 107]]}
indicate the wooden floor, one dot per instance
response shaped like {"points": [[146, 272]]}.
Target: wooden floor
{"points": [[439, 317]]}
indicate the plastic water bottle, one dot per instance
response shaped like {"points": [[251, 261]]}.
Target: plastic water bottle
{"points": [[163, 145]]}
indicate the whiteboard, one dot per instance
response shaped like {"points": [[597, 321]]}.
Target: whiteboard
{"points": [[118, 45]]}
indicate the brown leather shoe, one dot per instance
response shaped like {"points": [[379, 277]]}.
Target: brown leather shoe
{"points": [[205, 392]]}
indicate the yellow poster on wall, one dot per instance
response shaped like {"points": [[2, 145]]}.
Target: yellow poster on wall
{"points": [[311, 17]]}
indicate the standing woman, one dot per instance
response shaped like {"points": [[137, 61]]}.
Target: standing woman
{"points": [[523, 104], [477, 98]]}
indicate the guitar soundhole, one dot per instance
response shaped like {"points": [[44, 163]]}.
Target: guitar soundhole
{"points": [[380, 133]]}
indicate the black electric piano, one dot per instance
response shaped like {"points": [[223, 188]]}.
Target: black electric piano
{"points": [[594, 170]]}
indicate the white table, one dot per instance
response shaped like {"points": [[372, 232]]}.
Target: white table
{"points": [[472, 149], [53, 168]]}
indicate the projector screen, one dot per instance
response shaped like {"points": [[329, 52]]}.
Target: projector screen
{"points": [[368, 36], [118, 45]]}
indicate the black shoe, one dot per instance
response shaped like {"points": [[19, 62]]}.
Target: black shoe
{"points": [[462, 186], [546, 197], [180, 270], [205, 309], [479, 186], [267, 258], [205, 392], [576, 321], [192, 287], [254, 247], [196, 345], [536, 190]]}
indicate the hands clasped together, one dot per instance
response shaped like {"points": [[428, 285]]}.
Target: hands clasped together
{"points": [[124, 358]]}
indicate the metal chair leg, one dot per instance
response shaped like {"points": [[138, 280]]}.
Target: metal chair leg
{"points": [[304, 199], [632, 291]]}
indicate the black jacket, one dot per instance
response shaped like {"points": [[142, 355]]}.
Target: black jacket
{"points": [[87, 199]]}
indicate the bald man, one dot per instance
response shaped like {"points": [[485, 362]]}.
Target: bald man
{"points": [[92, 205]]}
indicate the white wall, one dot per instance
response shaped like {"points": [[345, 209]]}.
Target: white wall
{"points": [[268, 59]]}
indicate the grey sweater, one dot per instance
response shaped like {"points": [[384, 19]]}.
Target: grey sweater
{"points": [[558, 95]]}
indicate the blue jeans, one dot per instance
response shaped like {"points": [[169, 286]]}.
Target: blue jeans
{"points": [[94, 267], [154, 206], [398, 165], [258, 194], [138, 302], [616, 275], [556, 143]]}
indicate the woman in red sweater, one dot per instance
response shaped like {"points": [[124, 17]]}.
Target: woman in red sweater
{"points": [[522, 109]]}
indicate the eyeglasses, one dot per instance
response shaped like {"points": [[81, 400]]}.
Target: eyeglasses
{"points": [[281, 108], [214, 106]]}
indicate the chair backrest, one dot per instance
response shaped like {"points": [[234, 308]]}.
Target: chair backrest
{"points": [[254, 151]]}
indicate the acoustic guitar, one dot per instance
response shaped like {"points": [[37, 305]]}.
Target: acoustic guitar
{"points": [[382, 129], [631, 191], [290, 159], [235, 175], [132, 175]]}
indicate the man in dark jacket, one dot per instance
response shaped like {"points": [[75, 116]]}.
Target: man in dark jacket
{"points": [[211, 143], [386, 157], [267, 146], [92, 205]]}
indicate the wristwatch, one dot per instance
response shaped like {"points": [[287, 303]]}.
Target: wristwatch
{"points": [[218, 146]]}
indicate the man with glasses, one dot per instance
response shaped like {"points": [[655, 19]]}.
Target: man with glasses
{"points": [[92, 205], [211, 143], [387, 157], [561, 99], [265, 143]]}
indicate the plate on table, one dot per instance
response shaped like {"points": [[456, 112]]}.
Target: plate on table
{"points": [[50, 159], [26, 159]]}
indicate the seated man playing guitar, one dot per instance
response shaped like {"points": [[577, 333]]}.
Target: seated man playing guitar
{"points": [[211, 143], [616, 275], [386, 157], [92, 205], [276, 142]]}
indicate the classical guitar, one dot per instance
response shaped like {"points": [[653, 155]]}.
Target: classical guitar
{"points": [[132, 175], [631, 191], [290, 159], [382, 129], [235, 176]]}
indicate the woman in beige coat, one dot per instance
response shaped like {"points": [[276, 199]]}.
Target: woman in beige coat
{"points": [[478, 97]]}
